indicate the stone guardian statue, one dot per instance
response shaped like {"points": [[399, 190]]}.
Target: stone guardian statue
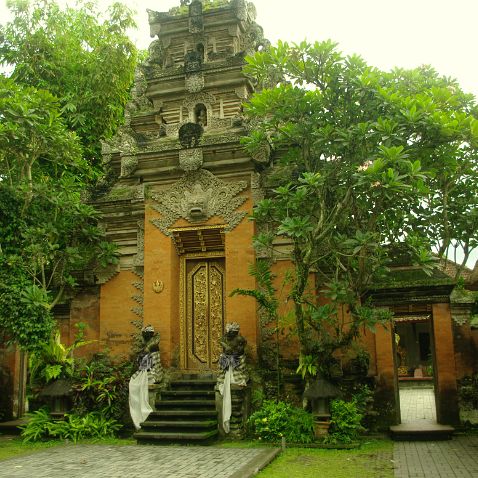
{"points": [[232, 364]]}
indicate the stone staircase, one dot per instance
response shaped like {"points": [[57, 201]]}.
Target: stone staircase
{"points": [[186, 413]]}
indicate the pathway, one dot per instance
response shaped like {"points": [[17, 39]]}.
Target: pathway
{"points": [[100, 461], [456, 458], [417, 404]]}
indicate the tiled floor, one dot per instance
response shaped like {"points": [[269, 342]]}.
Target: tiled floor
{"points": [[417, 404]]}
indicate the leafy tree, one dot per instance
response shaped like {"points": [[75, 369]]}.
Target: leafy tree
{"points": [[47, 231], [80, 55], [361, 161], [70, 72]]}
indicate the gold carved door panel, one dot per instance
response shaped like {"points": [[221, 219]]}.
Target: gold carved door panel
{"points": [[204, 312]]}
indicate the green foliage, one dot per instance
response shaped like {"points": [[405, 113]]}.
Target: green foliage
{"points": [[81, 55], [102, 386], [92, 425], [47, 233], [307, 366], [268, 297], [362, 161], [53, 360], [345, 422], [25, 317], [275, 420]]}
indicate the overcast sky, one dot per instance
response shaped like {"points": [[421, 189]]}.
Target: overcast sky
{"points": [[386, 33]]}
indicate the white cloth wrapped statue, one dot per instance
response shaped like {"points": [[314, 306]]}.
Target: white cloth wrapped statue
{"points": [[149, 371], [232, 363]]}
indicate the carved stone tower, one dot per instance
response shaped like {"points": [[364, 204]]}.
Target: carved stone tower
{"points": [[183, 189]]}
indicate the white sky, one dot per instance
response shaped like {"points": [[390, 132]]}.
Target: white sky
{"points": [[386, 33]]}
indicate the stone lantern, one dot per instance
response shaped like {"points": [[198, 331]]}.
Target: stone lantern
{"points": [[318, 394]]}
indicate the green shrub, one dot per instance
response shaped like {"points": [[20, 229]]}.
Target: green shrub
{"points": [[345, 422], [92, 425], [275, 420], [102, 386]]}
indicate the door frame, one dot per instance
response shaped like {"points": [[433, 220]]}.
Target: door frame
{"points": [[183, 332]]}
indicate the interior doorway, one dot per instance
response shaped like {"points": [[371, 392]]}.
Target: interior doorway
{"points": [[415, 371]]}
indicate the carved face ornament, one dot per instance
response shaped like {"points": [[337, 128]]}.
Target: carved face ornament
{"points": [[197, 202]]}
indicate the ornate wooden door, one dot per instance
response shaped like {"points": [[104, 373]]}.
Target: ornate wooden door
{"points": [[204, 312]]}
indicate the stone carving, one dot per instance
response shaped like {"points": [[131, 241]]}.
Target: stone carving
{"points": [[192, 62], [139, 285], [139, 101], [253, 39], [194, 82], [262, 153], [155, 53], [190, 159], [207, 99], [225, 136], [125, 141], [139, 258], [150, 349], [173, 129], [154, 19], [128, 165], [241, 92], [138, 311], [198, 196], [257, 193], [195, 17], [190, 135], [240, 7], [218, 123]]}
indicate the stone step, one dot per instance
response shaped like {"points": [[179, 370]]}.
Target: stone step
{"points": [[420, 431], [208, 376], [193, 384], [183, 413], [179, 424], [154, 437], [182, 404], [193, 394]]}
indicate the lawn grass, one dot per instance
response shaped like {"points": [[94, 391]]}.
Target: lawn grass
{"points": [[13, 446], [372, 460]]}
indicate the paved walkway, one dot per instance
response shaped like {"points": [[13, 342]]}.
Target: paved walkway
{"points": [[99, 461], [456, 458], [417, 404]]}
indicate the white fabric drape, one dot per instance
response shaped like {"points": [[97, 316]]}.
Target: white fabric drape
{"points": [[225, 391], [139, 407]]}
